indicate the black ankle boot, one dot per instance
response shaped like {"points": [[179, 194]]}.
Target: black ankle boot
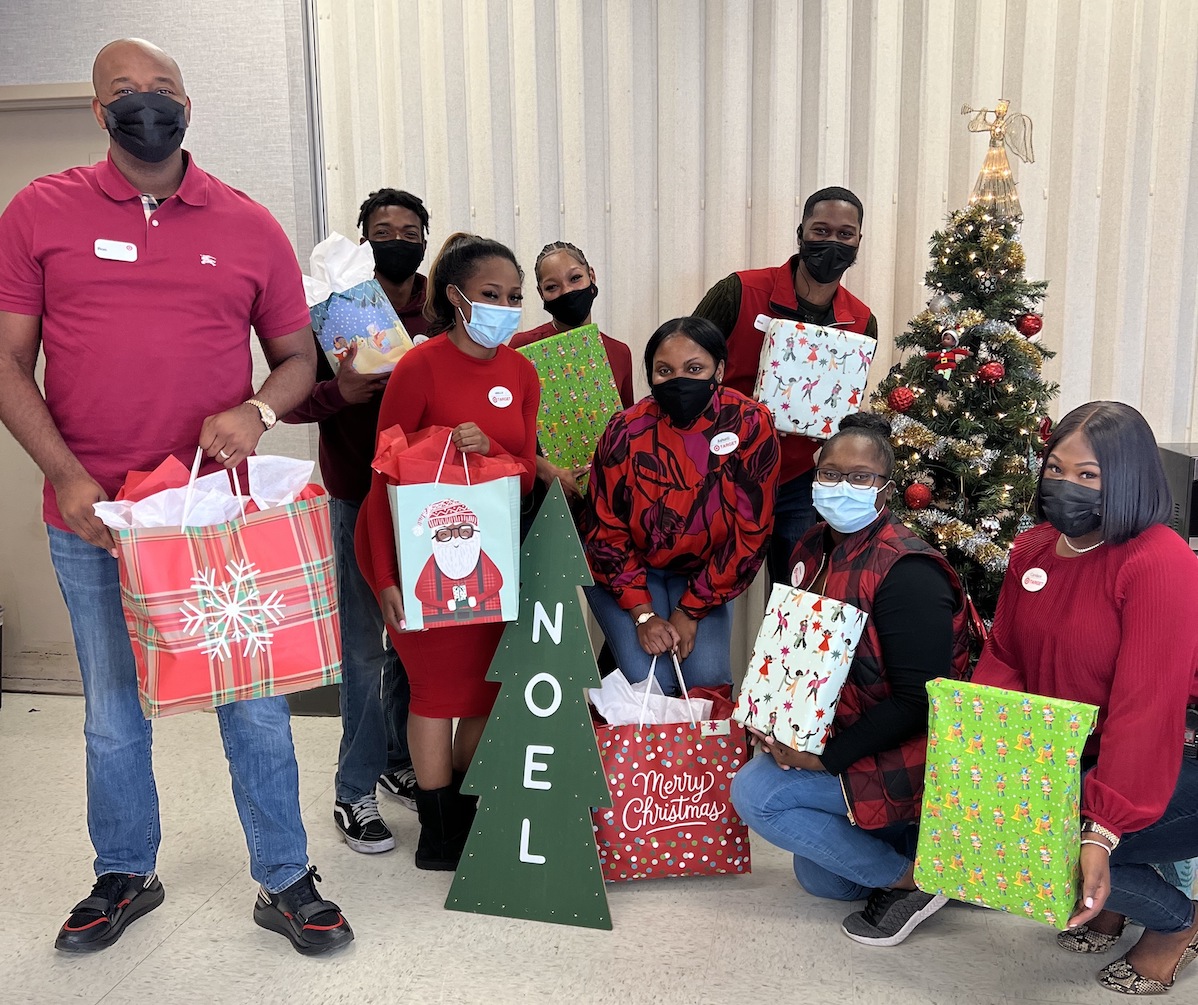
{"points": [[442, 833]]}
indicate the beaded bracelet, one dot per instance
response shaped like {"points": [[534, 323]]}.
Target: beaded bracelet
{"points": [[1099, 844]]}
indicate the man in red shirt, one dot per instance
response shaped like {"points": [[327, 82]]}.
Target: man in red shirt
{"points": [[374, 745], [805, 288], [139, 278]]}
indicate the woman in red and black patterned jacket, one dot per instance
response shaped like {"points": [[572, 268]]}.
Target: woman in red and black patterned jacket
{"points": [[849, 815], [679, 511]]}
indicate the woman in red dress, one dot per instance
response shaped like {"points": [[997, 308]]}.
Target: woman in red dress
{"points": [[566, 283], [488, 395]]}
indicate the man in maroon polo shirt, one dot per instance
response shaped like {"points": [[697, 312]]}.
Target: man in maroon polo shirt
{"points": [[139, 278], [374, 747], [806, 288]]}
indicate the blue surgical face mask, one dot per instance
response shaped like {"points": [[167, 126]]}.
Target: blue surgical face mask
{"points": [[490, 325], [845, 508]]}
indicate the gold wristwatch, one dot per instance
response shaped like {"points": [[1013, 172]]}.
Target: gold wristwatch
{"points": [[266, 413], [1090, 827]]}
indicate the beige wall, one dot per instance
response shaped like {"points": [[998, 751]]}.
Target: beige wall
{"points": [[244, 68]]}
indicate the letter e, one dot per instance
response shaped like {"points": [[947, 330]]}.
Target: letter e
{"points": [[531, 765]]}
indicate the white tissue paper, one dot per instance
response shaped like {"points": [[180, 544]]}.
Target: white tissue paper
{"points": [[338, 264], [621, 703], [274, 481]]}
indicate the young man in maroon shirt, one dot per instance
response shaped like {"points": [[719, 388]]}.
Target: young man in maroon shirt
{"points": [[139, 278], [374, 748], [805, 288]]}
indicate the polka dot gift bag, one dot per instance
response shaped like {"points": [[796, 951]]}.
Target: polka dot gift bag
{"points": [[670, 783]]}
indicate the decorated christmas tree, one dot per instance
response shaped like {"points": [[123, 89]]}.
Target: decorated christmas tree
{"points": [[968, 401], [537, 771]]}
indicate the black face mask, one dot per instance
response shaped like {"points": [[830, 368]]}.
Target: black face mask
{"points": [[397, 261], [1073, 509], [826, 261], [147, 125], [571, 309], [683, 399]]}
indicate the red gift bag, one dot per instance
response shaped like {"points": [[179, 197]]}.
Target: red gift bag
{"points": [[242, 609], [671, 812]]}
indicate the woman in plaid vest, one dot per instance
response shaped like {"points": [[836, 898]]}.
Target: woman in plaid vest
{"points": [[850, 815]]}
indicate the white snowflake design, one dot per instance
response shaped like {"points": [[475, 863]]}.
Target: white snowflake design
{"points": [[232, 611]]}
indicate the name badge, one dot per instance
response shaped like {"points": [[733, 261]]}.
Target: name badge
{"points": [[116, 251], [762, 322], [724, 443], [500, 396], [797, 575], [1034, 580]]}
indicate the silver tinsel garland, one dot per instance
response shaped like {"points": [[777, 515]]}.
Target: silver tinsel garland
{"points": [[972, 545]]}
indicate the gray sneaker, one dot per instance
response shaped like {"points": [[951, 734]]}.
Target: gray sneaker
{"points": [[890, 916]]}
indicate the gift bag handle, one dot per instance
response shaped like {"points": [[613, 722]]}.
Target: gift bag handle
{"points": [[444, 454], [191, 487], [681, 687]]}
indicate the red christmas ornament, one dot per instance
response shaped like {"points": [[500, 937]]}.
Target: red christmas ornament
{"points": [[900, 399], [918, 496], [1045, 428], [992, 372], [1029, 325]]}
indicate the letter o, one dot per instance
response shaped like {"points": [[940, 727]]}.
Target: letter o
{"points": [[533, 707]]}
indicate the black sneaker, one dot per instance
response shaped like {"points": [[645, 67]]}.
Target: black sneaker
{"points": [[890, 916], [313, 925], [117, 899], [400, 784], [362, 827]]}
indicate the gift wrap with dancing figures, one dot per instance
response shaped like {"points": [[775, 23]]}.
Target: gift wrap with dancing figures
{"points": [[1002, 792], [578, 394], [800, 662], [349, 309], [811, 377], [670, 784]]}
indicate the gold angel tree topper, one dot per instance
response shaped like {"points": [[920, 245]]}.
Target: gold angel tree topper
{"points": [[995, 189]]}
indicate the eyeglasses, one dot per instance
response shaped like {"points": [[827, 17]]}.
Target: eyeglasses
{"points": [[858, 479], [463, 530]]}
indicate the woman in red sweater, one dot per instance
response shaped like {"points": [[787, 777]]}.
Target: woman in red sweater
{"points": [[566, 283], [678, 516], [488, 394], [1098, 606]]}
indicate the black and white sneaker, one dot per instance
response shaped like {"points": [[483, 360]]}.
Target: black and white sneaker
{"points": [[400, 784], [116, 900], [361, 826], [313, 925], [890, 916]]}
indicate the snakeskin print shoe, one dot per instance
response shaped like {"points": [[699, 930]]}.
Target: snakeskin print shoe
{"points": [[1084, 939], [1120, 975]]}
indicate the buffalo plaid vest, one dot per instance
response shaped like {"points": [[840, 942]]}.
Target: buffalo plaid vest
{"points": [[463, 611], [887, 787]]}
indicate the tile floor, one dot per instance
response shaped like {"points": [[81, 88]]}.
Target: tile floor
{"points": [[726, 939]]}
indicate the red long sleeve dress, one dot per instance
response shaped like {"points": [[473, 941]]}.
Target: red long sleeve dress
{"points": [[436, 384]]}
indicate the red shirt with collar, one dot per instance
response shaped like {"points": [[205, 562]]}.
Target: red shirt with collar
{"points": [[138, 353]]}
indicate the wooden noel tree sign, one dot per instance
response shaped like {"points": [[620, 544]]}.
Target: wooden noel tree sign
{"points": [[532, 852]]}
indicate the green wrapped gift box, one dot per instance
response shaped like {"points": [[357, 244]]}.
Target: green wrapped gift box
{"points": [[578, 394], [1002, 790]]}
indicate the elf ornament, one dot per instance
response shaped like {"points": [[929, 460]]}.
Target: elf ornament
{"points": [[948, 356], [917, 496], [1029, 326], [900, 399], [992, 372]]}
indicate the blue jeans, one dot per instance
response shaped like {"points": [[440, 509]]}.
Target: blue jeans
{"points": [[1137, 889], [122, 799], [805, 813], [794, 515], [374, 687], [708, 665]]}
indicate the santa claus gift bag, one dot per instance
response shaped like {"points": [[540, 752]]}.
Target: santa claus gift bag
{"points": [[810, 377], [457, 529], [226, 597], [1002, 792], [800, 662]]}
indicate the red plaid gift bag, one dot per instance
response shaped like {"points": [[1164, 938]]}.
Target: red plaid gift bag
{"points": [[241, 609], [670, 785]]}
